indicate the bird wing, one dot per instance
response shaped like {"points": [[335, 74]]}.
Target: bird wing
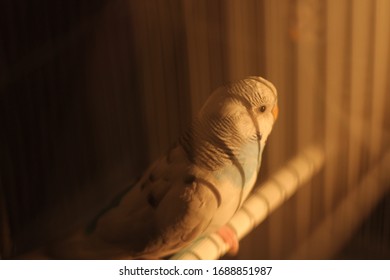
{"points": [[171, 205]]}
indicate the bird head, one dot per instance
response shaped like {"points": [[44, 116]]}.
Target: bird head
{"points": [[247, 106]]}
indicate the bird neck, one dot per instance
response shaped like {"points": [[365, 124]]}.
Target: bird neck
{"points": [[215, 143]]}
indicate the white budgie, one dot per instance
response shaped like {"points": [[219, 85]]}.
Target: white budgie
{"points": [[194, 189]]}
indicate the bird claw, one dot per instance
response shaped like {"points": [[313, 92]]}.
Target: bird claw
{"points": [[229, 236]]}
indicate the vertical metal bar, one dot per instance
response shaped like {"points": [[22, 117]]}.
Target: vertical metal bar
{"points": [[336, 86], [309, 88], [336, 109], [359, 84], [243, 21], [197, 30], [278, 42], [380, 75]]}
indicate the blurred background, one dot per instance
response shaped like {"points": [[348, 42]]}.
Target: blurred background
{"points": [[92, 91]]}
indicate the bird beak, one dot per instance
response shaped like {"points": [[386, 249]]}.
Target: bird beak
{"points": [[275, 111]]}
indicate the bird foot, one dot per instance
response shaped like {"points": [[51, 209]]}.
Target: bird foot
{"points": [[230, 238]]}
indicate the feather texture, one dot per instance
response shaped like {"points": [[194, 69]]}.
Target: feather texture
{"points": [[194, 189]]}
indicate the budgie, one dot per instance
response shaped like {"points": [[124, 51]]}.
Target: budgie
{"points": [[192, 190]]}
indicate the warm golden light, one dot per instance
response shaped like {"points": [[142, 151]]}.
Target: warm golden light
{"points": [[91, 94]]}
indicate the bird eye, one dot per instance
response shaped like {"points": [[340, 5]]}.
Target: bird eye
{"points": [[262, 109]]}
